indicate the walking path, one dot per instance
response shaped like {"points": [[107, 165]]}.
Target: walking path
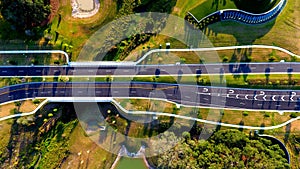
{"points": [[240, 16]]}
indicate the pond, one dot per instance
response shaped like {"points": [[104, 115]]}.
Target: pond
{"points": [[131, 163]]}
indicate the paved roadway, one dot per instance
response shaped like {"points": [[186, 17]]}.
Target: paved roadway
{"points": [[232, 68], [283, 100]]}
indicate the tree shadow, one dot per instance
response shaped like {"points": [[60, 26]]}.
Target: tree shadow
{"points": [[255, 6], [261, 131], [244, 34], [287, 132], [241, 123], [215, 3], [164, 6]]}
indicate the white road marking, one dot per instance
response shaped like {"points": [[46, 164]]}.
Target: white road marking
{"points": [[231, 91], [205, 89], [255, 97], [265, 97], [293, 94], [242, 103], [273, 98], [246, 96], [237, 96], [262, 93], [282, 98]]}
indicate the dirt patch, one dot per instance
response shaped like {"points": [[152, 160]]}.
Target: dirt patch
{"points": [[295, 126], [26, 106], [5, 109]]}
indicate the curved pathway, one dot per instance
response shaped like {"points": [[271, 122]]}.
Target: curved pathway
{"points": [[201, 120], [240, 16]]}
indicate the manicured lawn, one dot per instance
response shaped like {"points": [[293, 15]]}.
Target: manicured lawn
{"points": [[183, 6], [283, 32], [75, 32], [131, 163]]}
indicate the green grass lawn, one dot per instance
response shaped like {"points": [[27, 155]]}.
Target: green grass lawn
{"points": [[283, 32], [209, 6]]}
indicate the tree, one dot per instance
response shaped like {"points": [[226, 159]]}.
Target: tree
{"points": [[25, 14], [225, 149], [14, 81]]}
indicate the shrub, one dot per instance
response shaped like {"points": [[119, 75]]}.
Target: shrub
{"points": [[225, 59], [293, 115], [245, 113], [12, 62], [267, 114], [17, 104], [13, 111], [56, 62], [272, 59], [36, 101], [33, 61]]}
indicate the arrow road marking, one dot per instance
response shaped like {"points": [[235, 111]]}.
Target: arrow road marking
{"points": [[273, 98], [282, 98], [262, 93], [237, 96], [205, 89], [255, 97], [293, 94], [265, 97], [246, 96]]}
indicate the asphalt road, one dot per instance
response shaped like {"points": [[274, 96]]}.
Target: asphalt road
{"points": [[235, 68], [282, 100]]}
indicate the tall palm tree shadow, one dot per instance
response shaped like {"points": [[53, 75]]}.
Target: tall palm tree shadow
{"points": [[245, 34]]}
